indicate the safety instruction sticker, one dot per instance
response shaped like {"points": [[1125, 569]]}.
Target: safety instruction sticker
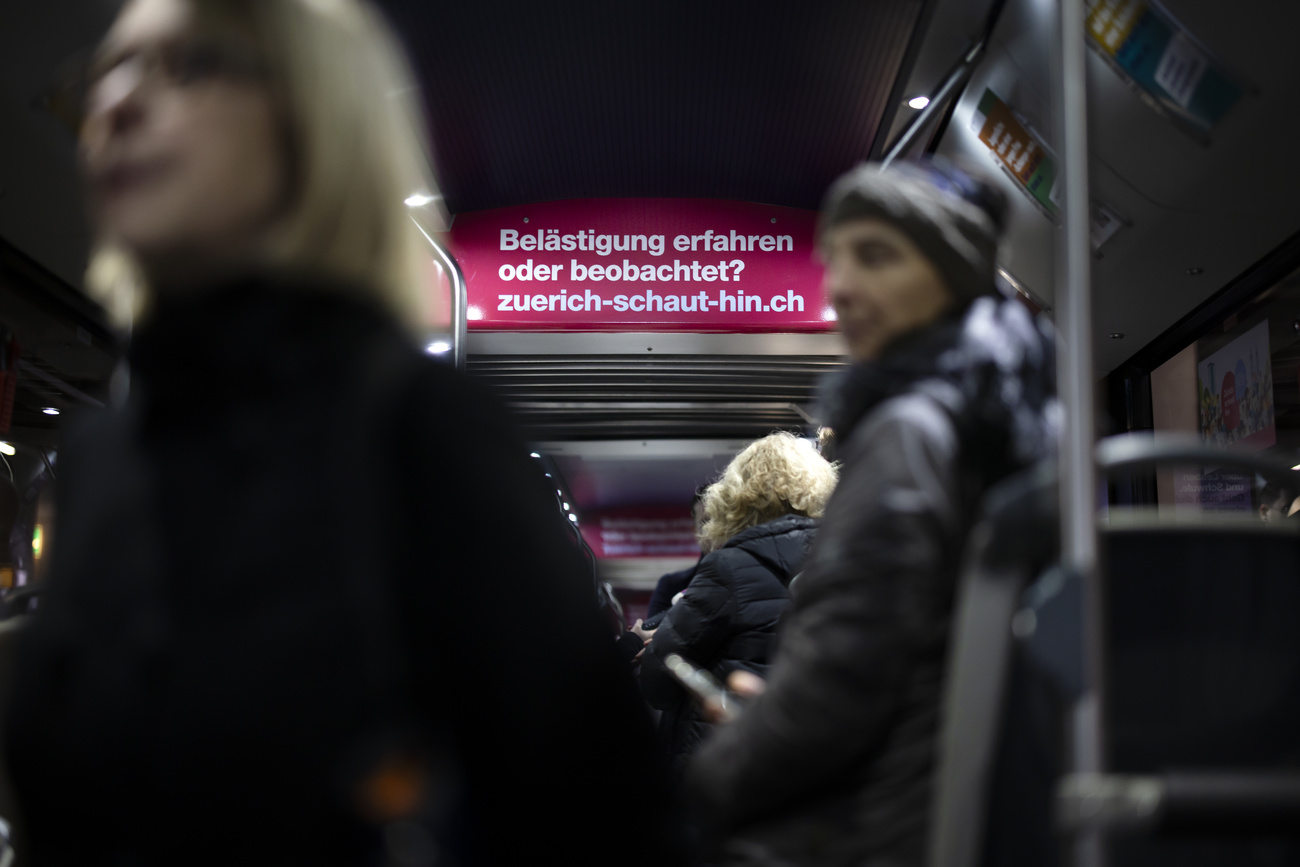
{"points": [[1181, 69]]}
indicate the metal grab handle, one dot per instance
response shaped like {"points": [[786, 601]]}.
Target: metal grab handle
{"points": [[1128, 451]]}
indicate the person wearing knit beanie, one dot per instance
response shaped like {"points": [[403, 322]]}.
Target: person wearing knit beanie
{"points": [[905, 244], [831, 762]]}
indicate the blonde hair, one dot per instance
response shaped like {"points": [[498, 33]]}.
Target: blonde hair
{"points": [[357, 149], [777, 475]]}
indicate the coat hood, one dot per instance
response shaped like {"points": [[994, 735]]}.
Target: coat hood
{"points": [[992, 365], [780, 545]]}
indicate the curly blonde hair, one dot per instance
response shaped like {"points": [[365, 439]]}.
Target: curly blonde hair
{"points": [[777, 475]]}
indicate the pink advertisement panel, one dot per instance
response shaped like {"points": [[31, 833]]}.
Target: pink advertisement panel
{"points": [[642, 265], [641, 531]]}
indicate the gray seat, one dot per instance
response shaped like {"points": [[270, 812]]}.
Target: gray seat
{"points": [[1201, 691], [1014, 541]]}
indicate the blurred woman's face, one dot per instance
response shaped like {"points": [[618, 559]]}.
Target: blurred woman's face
{"points": [[182, 142], [880, 284]]}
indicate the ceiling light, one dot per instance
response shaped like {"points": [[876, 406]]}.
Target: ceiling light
{"points": [[573, 517], [1296, 467], [49, 410], [438, 347], [1117, 335], [566, 506], [7, 449], [534, 455], [419, 200], [918, 102]]}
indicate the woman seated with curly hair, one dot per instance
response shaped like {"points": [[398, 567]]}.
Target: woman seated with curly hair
{"points": [[760, 519]]}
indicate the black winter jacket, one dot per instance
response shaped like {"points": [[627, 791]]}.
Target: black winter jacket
{"points": [[726, 620], [204, 684], [832, 764]]}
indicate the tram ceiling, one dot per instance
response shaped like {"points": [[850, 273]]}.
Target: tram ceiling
{"points": [[536, 101], [766, 101], [1196, 213]]}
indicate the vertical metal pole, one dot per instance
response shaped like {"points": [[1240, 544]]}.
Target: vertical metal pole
{"points": [[1078, 471]]}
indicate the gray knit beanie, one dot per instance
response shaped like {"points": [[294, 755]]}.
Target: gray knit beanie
{"points": [[957, 219]]}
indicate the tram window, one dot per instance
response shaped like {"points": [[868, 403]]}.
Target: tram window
{"points": [[1237, 388]]}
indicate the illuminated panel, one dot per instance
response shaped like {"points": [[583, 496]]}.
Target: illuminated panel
{"points": [[642, 265]]}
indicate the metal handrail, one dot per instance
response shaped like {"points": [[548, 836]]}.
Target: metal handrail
{"points": [[953, 84], [1129, 451], [459, 297], [459, 307]]}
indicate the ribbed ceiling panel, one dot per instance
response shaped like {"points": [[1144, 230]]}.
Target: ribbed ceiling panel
{"points": [[763, 101], [631, 397]]}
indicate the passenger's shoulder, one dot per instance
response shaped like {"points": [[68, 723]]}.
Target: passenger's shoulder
{"points": [[908, 420], [720, 565], [450, 398]]}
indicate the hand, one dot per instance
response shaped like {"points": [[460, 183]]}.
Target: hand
{"points": [[645, 634], [744, 685]]}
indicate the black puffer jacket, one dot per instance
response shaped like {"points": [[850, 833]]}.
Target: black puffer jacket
{"points": [[272, 576], [726, 620], [832, 764]]}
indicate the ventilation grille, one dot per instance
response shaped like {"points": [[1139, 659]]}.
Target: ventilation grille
{"points": [[673, 397]]}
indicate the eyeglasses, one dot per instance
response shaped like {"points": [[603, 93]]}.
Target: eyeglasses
{"points": [[173, 65]]}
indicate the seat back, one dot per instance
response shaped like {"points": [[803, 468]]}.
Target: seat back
{"points": [[1202, 666], [1013, 541]]}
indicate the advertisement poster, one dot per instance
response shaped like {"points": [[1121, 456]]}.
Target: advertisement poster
{"points": [[1213, 490], [641, 531], [1155, 53], [1020, 151], [642, 265], [1236, 393]]}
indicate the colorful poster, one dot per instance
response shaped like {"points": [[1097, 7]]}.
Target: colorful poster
{"points": [[1019, 150], [642, 265], [1157, 54], [1236, 393]]}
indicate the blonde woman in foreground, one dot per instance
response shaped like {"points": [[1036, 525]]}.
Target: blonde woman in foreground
{"points": [[272, 629], [760, 519]]}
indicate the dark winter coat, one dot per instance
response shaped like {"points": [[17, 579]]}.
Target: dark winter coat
{"points": [[268, 584], [666, 589], [832, 764], [726, 620]]}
